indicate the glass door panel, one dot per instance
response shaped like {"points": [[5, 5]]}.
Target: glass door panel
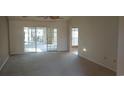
{"points": [[29, 40], [52, 39], [41, 40]]}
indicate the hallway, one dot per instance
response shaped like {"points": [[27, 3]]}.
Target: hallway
{"points": [[52, 64]]}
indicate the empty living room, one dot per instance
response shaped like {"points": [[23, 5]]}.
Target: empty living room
{"points": [[61, 45]]}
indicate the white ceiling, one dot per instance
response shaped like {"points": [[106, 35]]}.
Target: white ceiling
{"points": [[40, 18]]}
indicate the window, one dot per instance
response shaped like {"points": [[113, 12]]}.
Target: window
{"points": [[75, 36]]}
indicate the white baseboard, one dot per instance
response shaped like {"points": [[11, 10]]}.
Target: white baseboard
{"points": [[5, 61], [98, 63]]}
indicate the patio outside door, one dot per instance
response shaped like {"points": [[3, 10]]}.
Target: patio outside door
{"points": [[40, 39]]}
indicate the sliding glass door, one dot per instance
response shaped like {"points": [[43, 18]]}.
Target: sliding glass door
{"points": [[52, 39], [29, 41], [40, 39]]}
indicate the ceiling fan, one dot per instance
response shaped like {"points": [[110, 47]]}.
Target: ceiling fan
{"points": [[51, 17], [47, 17]]}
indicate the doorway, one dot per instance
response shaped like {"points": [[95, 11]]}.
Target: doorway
{"points": [[74, 40], [40, 39]]}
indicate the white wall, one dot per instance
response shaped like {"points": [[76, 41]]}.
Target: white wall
{"points": [[99, 36], [17, 33], [120, 65], [3, 40]]}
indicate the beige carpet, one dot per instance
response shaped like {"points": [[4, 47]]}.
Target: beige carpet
{"points": [[52, 64]]}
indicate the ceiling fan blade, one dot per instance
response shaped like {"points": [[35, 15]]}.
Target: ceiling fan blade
{"points": [[54, 17]]}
